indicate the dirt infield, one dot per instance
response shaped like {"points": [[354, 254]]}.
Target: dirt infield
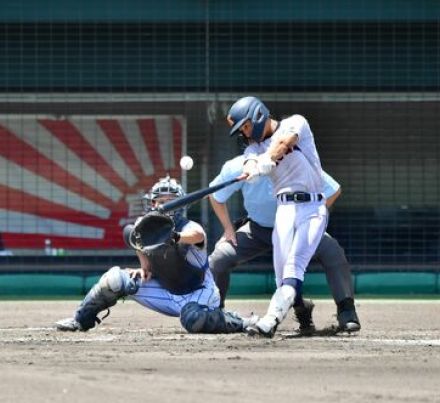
{"points": [[138, 355]]}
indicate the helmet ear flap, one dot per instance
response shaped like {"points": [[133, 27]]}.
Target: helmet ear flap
{"points": [[258, 115], [259, 118]]}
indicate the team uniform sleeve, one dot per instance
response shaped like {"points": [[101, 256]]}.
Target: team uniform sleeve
{"points": [[295, 125], [193, 226], [230, 170], [330, 186]]}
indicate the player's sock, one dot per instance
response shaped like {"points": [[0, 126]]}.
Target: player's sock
{"points": [[281, 302]]}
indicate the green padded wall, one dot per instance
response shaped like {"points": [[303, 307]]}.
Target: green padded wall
{"points": [[34, 285], [242, 284]]}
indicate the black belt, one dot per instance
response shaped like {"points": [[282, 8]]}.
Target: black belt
{"points": [[300, 197]]}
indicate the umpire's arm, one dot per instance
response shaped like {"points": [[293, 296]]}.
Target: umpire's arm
{"points": [[222, 213], [329, 202]]}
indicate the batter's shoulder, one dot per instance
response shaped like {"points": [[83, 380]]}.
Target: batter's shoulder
{"points": [[296, 118]]}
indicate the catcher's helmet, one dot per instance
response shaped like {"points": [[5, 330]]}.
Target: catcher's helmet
{"points": [[248, 108], [164, 187]]}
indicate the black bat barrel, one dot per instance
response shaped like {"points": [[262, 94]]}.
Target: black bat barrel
{"points": [[194, 196]]}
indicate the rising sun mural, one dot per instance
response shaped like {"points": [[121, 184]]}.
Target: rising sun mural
{"points": [[77, 179]]}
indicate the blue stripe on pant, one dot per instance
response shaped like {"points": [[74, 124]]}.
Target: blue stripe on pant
{"points": [[153, 296]]}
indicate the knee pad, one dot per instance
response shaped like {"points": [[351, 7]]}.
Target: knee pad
{"points": [[113, 284], [119, 282], [196, 318]]}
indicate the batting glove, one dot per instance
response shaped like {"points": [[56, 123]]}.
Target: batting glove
{"points": [[253, 175], [265, 164], [250, 169]]}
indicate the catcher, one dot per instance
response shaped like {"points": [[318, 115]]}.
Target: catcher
{"points": [[173, 278]]}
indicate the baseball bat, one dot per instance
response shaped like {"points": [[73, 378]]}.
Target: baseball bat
{"points": [[195, 196]]}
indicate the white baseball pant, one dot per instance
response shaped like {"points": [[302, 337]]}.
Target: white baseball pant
{"points": [[298, 230]]}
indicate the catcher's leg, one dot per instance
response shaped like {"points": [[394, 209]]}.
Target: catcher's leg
{"points": [[114, 284], [196, 318]]}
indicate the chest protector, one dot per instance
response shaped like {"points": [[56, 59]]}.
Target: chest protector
{"points": [[170, 268]]}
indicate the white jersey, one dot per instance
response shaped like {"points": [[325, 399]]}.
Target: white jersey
{"points": [[299, 170]]}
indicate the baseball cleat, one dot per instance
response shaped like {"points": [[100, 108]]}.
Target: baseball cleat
{"points": [[303, 315], [260, 328], [348, 321], [68, 325], [256, 331], [250, 321]]}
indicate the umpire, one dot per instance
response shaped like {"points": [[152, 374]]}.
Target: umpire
{"points": [[253, 237]]}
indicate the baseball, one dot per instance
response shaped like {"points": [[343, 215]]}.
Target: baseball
{"points": [[186, 162]]}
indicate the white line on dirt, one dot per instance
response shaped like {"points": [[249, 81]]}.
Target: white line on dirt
{"points": [[26, 329], [401, 342], [90, 337], [58, 339]]}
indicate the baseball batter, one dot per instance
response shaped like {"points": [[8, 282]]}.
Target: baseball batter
{"points": [[173, 280], [286, 151], [253, 237]]}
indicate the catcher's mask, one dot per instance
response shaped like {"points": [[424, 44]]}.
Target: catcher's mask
{"points": [[165, 188], [252, 109]]}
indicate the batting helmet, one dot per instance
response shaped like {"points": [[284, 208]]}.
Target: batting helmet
{"points": [[248, 108]]}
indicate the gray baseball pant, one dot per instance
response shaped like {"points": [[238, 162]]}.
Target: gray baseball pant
{"points": [[254, 240]]}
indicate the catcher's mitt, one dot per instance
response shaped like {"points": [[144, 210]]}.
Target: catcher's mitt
{"points": [[152, 231]]}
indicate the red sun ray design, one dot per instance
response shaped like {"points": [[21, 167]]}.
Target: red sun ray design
{"points": [[73, 139], [83, 201], [112, 129], [149, 134]]}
